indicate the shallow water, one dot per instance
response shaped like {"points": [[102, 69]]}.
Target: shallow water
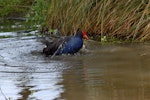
{"points": [[102, 72], [105, 72]]}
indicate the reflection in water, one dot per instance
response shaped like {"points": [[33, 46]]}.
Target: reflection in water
{"points": [[28, 76], [31, 85], [116, 72], [8, 86]]}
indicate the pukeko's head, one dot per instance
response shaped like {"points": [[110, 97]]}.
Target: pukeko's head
{"points": [[82, 34]]}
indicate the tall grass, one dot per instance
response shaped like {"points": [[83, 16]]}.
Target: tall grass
{"points": [[124, 19]]}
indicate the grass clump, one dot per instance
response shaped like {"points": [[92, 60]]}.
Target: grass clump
{"points": [[123, 19]]}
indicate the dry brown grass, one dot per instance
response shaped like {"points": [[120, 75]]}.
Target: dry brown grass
{"points": [[125, 19]]}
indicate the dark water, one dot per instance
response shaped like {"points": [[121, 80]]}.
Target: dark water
{"points": [[105, 72]]}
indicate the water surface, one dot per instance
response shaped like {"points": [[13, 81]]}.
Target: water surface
{"points": [[103, 72]]}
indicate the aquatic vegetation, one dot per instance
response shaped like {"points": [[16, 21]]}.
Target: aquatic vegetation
{"points": [[38, 12], [14, 7], [5, 37], [124, 19], [32, 12]]}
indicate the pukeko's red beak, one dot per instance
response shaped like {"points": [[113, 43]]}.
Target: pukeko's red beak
{"points": [[85, 35]]}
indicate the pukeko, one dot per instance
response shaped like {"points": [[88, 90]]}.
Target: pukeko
{"points": [[65, 45]]}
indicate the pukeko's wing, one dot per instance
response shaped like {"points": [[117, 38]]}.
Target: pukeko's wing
{"points": [[54, 45]]}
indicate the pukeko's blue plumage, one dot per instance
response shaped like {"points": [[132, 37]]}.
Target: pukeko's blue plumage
{"points": [[65, 45]]}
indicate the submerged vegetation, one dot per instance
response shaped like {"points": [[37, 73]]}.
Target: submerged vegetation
{"points": [[104, 20]]}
